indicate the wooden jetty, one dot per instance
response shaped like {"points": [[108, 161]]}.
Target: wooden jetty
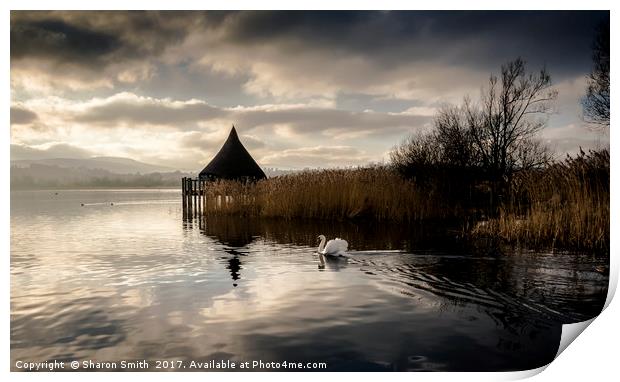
{"points": [[193, 193]]}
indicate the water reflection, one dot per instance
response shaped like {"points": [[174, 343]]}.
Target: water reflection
{"points": [[456, 281], [334, 263], [453, 270], [133, 280], [239, 232], [234, 265]]}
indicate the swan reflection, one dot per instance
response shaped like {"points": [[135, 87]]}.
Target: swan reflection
{"points": [[334, 263]]}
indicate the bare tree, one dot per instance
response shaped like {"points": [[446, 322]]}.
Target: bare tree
{"points": [[449, 144], [454, 138], [483, 143], [416, 154], [532, 154], [511, 113], [596, 102], [496, 136]]}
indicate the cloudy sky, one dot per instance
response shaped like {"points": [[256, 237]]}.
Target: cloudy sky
{"points": [[304, 89]]}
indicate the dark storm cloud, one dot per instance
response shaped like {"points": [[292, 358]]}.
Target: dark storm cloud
{"points": [[63, 41], [314, 26], [95, 37], [21, 116], [480, 38]]}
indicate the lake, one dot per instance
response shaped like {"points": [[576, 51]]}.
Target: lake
{"points": [[112, 275]]}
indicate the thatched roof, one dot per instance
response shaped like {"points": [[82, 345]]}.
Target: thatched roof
{"points": [[233, 161]]}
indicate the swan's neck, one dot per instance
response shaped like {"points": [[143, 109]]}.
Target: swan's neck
{"points": [[322, 245]]}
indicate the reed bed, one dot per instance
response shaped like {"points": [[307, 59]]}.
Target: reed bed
{"points": [[565, 205], [374, 192]]}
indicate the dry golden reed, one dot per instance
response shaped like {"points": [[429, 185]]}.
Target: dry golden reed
{"points": [[565, 205], [372, 192]]}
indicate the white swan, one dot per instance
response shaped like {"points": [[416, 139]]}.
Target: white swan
{"points": [[335, 247]]}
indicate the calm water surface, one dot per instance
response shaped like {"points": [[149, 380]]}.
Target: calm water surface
{"points": [[125, 277]]}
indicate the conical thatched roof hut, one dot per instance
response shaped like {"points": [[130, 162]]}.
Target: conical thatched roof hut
{"points": [[233, 161]]}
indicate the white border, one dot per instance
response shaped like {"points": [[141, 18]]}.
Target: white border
{"points": [[591, 356]]}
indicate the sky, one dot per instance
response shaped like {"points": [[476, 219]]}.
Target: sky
{"points": [[303, 89]]}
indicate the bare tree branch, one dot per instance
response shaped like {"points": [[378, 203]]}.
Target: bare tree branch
{"points": [[596, 103]]}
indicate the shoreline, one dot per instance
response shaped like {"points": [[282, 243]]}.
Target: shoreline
{"points": [[464, 229]]}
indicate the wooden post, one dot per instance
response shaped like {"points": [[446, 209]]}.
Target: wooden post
{"points": [[183, 196], [203, 196], [194, 196], [199, 196], [189, 197]]}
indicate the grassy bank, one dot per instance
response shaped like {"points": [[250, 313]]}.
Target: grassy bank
{"points": [[563, 205]]}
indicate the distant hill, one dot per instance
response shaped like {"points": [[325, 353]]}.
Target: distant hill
{"points": [[99, 172], [114, 165], [42, 176]]}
